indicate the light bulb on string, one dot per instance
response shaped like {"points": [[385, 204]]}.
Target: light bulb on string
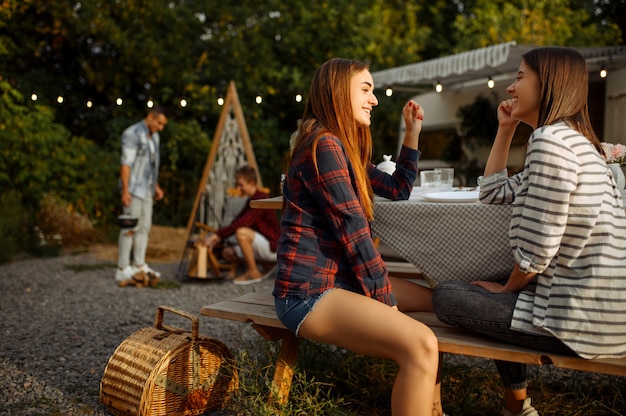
{"points": [[258, 99], [183, 103], [491, 83], [388, 92], [60, 99], [89, 104], [33, 97], [438, 87], [220, 100], [298, 97], [119, 101], [603, 72], [150, 103]]}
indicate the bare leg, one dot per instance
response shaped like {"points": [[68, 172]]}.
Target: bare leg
{"points": [[367, 326], [245, 237], [437, 396], [410, 296]]}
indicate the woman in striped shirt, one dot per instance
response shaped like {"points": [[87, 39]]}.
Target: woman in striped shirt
{"points": [[332, 285], [567, 291]]}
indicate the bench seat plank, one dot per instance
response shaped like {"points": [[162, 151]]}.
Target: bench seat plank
{"points": [[251, 307], [258, 308]]}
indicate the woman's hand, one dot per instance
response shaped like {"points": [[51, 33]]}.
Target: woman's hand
{"points": [[504, 137], [505, 119], [413, 115], [492, 287], [211, 241], [518, 280]]}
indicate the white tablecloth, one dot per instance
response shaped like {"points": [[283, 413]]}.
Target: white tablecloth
{"points": [[447, 241]]}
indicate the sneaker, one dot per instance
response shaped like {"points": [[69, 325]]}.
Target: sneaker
{"points": [[527, 410], [124, 274], [246, 279], [147, 270]]}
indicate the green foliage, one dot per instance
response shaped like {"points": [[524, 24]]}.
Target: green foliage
{"points": [[479, 120], [543, 22], [164, 50], [184, 151], [39, 155]]}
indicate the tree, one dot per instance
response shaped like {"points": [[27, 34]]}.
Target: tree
{"points": [[539, 22], [165, 50], [39, 156]]}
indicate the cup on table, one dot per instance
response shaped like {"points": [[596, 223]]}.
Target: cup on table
{"points": [[430, 180], [447, 177]]}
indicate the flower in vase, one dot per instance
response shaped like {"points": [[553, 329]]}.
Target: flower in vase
{"points": [[614, 152]]}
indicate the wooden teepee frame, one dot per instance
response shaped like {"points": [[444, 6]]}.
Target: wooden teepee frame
{"points": [[230, 150]]}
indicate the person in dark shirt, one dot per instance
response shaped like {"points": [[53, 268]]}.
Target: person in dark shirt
{"points": [[332, 285], [256, 231]]}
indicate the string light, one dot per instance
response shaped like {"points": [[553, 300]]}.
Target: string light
{"points": [[438, 87], [603, 72], [151, 103], [298, 97], [491, 83], [388, 92]]}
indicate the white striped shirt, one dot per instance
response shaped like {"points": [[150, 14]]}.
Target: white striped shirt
{"points": [[569, 226]]}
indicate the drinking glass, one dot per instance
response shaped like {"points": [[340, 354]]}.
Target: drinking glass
{"points": [[430, 180], [447, 178]]}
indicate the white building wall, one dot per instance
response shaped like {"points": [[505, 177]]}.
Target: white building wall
{"points": [[615, 104]]}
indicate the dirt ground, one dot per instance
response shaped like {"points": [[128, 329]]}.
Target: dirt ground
{"points": [[165, 245]]}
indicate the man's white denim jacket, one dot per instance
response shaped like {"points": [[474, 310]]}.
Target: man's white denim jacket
{"points": [[142, 158]]}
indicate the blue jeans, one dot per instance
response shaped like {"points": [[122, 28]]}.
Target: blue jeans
{"points": [[293, 310], [135, 240], [465, 305]]}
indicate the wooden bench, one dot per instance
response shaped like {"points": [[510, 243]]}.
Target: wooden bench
{"points": [[258, 308]]}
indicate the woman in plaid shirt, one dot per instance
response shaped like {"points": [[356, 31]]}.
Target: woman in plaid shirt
{"points": [[332, 285]]}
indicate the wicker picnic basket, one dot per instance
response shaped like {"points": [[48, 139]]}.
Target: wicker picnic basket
{"points": [[165, 370]]}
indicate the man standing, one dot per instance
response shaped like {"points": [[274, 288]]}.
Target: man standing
{"points": [[139, 173]]}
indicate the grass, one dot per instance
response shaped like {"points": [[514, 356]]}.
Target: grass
{"points": [[335, 382]]}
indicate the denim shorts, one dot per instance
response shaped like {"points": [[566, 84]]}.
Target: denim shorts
{"points": [[293, 310]]}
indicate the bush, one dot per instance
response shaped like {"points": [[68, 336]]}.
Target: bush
{"points": [[58, 225]]}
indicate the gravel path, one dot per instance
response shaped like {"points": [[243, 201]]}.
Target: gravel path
{"points": [[59, 327]]}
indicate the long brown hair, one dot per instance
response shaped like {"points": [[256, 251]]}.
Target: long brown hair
{"points": [[564, 88], [328, 110]]}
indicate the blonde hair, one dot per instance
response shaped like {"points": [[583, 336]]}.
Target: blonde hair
{"points": [[328, 110], [563, 89]]}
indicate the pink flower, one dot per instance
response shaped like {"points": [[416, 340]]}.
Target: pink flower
{"points": [[614, 153]]}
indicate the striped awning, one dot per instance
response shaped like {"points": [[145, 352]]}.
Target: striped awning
{"points": [[492, 61]]}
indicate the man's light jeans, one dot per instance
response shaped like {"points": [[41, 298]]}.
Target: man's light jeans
{"points": [[135, 240]]}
